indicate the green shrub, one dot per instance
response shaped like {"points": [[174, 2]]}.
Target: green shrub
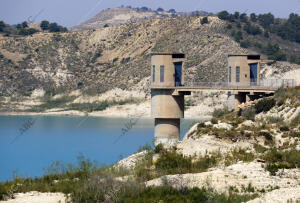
{"points": [[266, 34], [278, 56], [274, 52], [266, 20], [249, 114], [52, 103], [266, 135], [294, 59], [273, 156], [2, 26], [288, 29], [264, 105], [238, 36], [158, 148], [250, 188], [296, 121], [223, 15], [218, 113], [191, 195], [274, 119], [244, 18], [29, 31], [143, 170], [54, 27], [245, 44], [171, 162], [280, 94], [125, 60], [281, 159], [259, 148], [229, 26], [272, 168], [115, 59], [294, 134], [214, 121], [284, 128], [204, 163], [238, 155], [44, 25], [201, 125], [252, 29], [204, 20], [258, 45], [146, 147]]}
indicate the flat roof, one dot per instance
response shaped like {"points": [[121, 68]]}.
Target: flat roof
{"points": [[174, 55], [249, 56], [165, 53], [243, 55]]}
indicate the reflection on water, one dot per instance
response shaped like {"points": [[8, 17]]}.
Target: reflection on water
{"points": [[63, 138]]}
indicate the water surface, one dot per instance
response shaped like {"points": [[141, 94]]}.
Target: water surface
{"points": [[63, 138]]}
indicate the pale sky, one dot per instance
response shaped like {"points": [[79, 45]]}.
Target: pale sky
{"points": [[73, 12]]}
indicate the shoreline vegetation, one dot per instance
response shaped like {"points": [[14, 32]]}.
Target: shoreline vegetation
{"points": [[86, 182], [274, 153]]}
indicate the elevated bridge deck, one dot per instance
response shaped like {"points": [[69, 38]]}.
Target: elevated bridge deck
{"points": [[217, 88], [266, 87]]}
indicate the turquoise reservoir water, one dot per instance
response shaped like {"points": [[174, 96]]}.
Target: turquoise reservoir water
{"points": [[62, 138]]}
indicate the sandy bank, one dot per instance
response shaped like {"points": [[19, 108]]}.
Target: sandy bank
{"points": [[142, 110], [37, 197]]}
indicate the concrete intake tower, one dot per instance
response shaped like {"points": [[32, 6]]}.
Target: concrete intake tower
{"points": [[167, 105]]}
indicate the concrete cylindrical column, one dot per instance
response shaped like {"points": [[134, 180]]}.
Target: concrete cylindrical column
{"points": [[167, 132], [164, 105]]}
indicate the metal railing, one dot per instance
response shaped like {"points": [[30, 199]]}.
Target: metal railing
{"points": [[268, 83]]}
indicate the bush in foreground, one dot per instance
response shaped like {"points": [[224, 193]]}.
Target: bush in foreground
{"points": [[264, 105]]}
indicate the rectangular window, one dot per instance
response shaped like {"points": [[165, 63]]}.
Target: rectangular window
{"points": [[153, 73], [229, 74], [237, 74], [162, 72]]}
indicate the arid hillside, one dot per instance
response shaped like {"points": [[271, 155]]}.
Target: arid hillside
{"points": [[122, 15], [95, 61], [112, 57]]}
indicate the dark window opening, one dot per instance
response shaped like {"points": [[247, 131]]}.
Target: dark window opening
{"points": [[162, 73], [237, 74], [253, 73], [153, 73], [229, 73], [178, 73]]}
